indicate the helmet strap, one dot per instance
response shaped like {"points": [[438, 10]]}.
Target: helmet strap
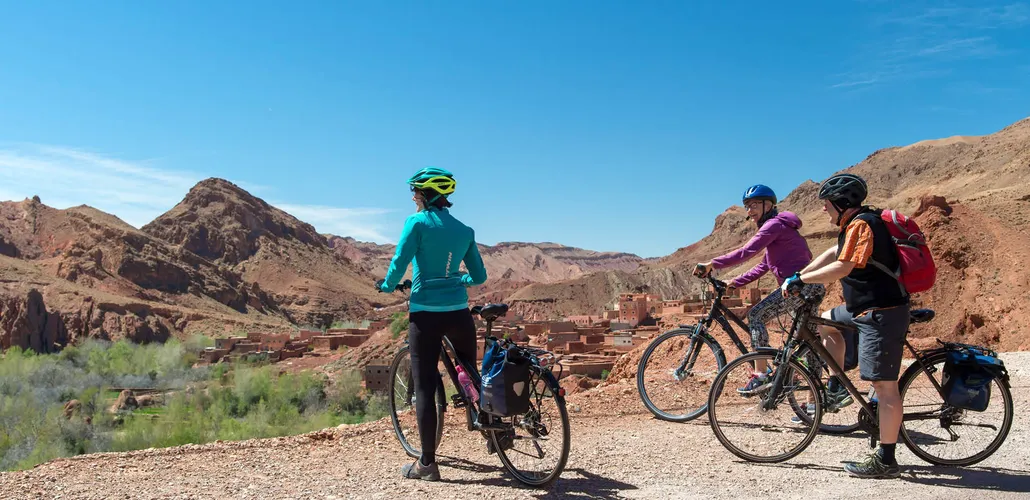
{"points": [[840, 212]]}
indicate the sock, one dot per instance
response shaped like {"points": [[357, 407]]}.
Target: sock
{"points": [[422, 461], [887, 453], [834, 384]]}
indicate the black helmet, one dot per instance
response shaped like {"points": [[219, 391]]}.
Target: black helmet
{"points": [[844, 191]]}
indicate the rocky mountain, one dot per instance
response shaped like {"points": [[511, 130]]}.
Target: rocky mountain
{"points": [[311, 283], [371, 258], [971, 196], [82, 272], [513, 262], [223, 259], [220, 254]]}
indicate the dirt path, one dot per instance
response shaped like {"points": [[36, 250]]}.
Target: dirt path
{"points": [[618, 451]]}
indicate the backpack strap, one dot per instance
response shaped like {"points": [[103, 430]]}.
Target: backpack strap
{"points": [[877, 264]]}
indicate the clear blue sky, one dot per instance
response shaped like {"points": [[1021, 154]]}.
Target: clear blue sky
{"points": [[606, 125]]}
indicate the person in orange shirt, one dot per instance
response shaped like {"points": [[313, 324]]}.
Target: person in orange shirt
{"points": [[873, 303]]}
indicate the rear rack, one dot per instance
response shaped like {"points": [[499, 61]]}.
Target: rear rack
{"points": [[969, 347]]}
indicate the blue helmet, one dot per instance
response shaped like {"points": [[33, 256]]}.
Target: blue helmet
{"points": [[759, 192]]}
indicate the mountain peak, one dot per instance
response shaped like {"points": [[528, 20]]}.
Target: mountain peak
{"points": [[223, 222]]}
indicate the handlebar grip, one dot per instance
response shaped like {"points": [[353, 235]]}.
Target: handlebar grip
{"points": [[400, 286]]}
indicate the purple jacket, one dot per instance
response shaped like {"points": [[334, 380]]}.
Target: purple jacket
{"points": [[786, 251]]}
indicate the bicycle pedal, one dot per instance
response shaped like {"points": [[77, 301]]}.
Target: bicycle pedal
{"points": [[458, 401]]}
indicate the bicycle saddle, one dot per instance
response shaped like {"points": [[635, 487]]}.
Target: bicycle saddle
{"points": [[921, 315], [491, 312]]}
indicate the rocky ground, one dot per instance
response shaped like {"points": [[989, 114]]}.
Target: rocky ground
{"points": [[618, 451]]}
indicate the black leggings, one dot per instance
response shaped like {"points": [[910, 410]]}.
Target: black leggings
{"points": [[425, 336]]}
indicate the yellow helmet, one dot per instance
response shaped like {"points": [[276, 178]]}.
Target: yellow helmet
{"points": [[435, 179]]}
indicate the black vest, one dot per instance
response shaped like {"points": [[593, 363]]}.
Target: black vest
{"points": [[869, 287]]}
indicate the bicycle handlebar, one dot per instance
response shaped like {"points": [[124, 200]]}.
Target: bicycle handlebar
{"points": [[720, 285], [405, 285]]}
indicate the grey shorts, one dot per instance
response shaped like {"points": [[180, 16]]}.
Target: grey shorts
{"points": [[881, 340]]}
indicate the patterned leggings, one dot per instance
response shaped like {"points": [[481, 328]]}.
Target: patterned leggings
{"points": [[775, 304]]}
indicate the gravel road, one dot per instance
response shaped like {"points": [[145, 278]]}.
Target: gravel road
{"points": [[618, 451]]}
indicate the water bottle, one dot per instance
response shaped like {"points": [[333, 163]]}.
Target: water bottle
{"points": [[466, 384]]}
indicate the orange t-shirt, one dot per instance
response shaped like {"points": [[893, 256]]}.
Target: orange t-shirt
{"points": [[858, 244]]}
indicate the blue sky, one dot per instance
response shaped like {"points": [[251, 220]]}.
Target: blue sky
{"points": [[607, 125]]}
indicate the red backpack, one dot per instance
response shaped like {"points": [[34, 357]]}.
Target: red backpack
{"points": [[917, 271]]}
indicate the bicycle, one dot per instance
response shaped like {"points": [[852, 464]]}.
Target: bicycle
{"points": [[791, 377], [664, 390], [502, 434]]}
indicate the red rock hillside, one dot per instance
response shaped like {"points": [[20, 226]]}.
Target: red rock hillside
{"points": [[81, 272], [971, 195], [510, 261], [313, 285]]}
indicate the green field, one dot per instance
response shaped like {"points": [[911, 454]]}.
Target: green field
{"points": [[199, 404]]}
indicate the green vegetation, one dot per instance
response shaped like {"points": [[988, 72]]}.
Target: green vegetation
{"points": [[399, 323], [604, 374], [195, 405]]}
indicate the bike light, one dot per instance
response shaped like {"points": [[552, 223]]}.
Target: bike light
{"points": [[561, 391]]}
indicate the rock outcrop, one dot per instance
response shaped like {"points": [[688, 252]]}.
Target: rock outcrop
{"points": [[26, 323]]}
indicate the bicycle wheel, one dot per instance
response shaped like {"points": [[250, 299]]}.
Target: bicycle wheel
{"points": [[942, 434], [676, 371], [837, 422], [533, 454], [748, 430], [402, 405]]}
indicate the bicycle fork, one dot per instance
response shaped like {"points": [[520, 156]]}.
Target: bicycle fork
{"points": [[772, 398], [687, 364]]}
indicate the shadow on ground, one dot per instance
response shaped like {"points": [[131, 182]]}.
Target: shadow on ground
{"points": [[573, 483], [980, 478]]}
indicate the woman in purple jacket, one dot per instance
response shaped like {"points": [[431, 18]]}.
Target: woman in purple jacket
{"points": [[786, 252]]}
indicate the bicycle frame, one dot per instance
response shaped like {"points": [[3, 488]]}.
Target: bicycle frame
{"points": [[446, 354], [720, 313], [805, 336], [725, 313]]}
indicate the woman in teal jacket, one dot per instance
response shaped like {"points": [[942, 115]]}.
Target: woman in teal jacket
{"points": [[438, 306]]}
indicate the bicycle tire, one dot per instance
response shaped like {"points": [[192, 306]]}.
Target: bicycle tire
{"points": [[717, 390], [703, 341], [412, 450], [912, 373], [559, 400], [838, 430]]}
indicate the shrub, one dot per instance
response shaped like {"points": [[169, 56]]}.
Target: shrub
{"points": [[218, 402], [399, 324]]}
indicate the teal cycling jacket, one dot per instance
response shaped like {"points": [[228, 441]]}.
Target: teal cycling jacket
{"points": [[438, 243]]}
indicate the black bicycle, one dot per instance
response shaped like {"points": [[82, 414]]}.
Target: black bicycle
{"points": [[533, 446], [677, 369], [766, 428]]}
